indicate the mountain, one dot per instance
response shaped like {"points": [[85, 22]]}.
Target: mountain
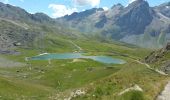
{"points": [[134, 18], [24, 37], [82, 20], [81, 15], [138, 23], [164, 9], [18, 28], [15, 13]]}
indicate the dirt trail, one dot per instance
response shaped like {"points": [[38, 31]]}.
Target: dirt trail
{"points": [[78, 47], [149, 67], [165, 95], [136, 88]]}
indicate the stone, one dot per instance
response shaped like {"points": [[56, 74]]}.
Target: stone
{"points": [[167, 46], [17, 44]]}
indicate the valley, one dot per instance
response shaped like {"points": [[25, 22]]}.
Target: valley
{"points": [[60, 78], [89, 55]]}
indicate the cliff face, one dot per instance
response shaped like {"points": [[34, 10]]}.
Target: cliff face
{"points": [[134, 18]]}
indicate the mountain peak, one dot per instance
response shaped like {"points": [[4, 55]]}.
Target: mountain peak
{"points": [[84, 14], [139, 3], [117, 6], [140, 0], [135, 17]]}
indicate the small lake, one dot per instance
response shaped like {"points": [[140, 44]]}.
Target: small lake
{"points": [[102, 59]]}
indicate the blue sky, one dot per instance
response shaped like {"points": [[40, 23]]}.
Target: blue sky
{"points": [[58, 8]]}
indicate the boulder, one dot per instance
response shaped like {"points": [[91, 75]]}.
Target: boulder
{"points": [[167, 46], [17, 44]]}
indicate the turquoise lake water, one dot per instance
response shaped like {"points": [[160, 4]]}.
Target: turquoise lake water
{"points": [[102, 59]]}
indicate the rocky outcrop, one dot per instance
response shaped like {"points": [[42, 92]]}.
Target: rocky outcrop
{"points": [[155, 56], [166, 67], [167, 46], [160, 58]]}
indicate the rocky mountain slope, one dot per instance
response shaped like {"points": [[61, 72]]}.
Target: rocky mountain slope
{"points": [[15, 13], [160, 59], [138, 23], [13, 35], [19, 28]]}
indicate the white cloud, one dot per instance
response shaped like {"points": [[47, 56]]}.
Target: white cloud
{"points": [[93, 3], [105, 8], [61, 10]]}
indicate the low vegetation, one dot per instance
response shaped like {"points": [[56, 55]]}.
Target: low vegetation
{"points": [[100, 81]]}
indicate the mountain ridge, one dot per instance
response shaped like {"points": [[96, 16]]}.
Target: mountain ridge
{"points": [[136, 24], [20, 29], [16, 13], [126, 23], [25, 37]]}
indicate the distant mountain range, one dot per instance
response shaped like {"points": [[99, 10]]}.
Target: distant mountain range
{"points": [[19, 28], [138, 24]]}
